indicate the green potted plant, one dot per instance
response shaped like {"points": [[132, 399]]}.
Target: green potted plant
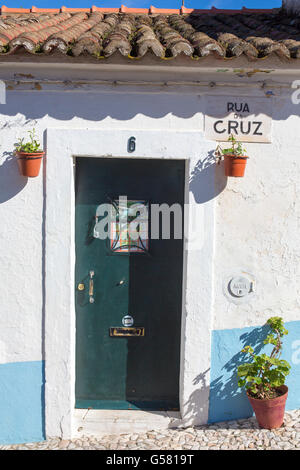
{"points": [[29, 155], [264, 378], [235, 158]]}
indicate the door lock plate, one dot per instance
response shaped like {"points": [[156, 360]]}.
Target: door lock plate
{"points": [[80, 286]]}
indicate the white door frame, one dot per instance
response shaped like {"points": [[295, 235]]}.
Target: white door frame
{"points": [[62, 145]]}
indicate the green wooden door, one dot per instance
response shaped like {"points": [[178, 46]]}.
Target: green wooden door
{"points": [[136, 372]]}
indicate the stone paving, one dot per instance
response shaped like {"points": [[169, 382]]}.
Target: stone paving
{"points": [[240, 435]]}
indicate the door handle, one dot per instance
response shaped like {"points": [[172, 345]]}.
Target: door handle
{"points": [[91, 287]]}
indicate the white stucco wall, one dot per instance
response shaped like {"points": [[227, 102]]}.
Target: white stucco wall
{"points": [[257, 228], [21, 258], [22, 209], [256, 217]]}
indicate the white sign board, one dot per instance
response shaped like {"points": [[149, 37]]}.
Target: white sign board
{"points": [[247, 119]]}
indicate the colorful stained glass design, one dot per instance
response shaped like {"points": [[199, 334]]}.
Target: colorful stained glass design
{"points": [[129, 226]]}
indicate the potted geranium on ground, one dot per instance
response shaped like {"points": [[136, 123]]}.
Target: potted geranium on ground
{"points": [[264, 378], [235, 158], [29, 155]]}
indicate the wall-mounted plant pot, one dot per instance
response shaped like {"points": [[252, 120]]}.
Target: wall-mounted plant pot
{"points": [[270, 413], [235, 165], [29, 163]]}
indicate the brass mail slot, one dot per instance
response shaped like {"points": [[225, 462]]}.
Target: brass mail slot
{"points": [[120, 331]]}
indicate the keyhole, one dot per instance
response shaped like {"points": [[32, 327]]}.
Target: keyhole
{"points": [[131, 145]]}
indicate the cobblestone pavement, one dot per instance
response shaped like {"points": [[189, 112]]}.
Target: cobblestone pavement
{"points": [[240, 435]]}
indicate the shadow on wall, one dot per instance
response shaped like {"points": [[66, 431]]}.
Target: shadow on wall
{"points": [[199, 398], [123, 106], [207, 179], [11, 182], [98, 106], [227, 401]]}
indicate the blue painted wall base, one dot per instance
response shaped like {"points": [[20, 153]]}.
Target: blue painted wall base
{"points": [[22, 402], [227, 401], [22, 384]]}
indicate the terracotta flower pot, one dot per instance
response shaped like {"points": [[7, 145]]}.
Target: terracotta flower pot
{"points": [[235, 166], [270, 413], [29, 163]]}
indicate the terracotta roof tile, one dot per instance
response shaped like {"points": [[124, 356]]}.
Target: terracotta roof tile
{"points": [[134, 32]]}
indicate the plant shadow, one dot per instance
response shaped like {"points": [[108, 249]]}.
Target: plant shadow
{"points": [[227, 400], [207, 179], [11, 182]]}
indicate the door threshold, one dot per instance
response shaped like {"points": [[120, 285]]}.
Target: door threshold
{"points": [[100, 422]]}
